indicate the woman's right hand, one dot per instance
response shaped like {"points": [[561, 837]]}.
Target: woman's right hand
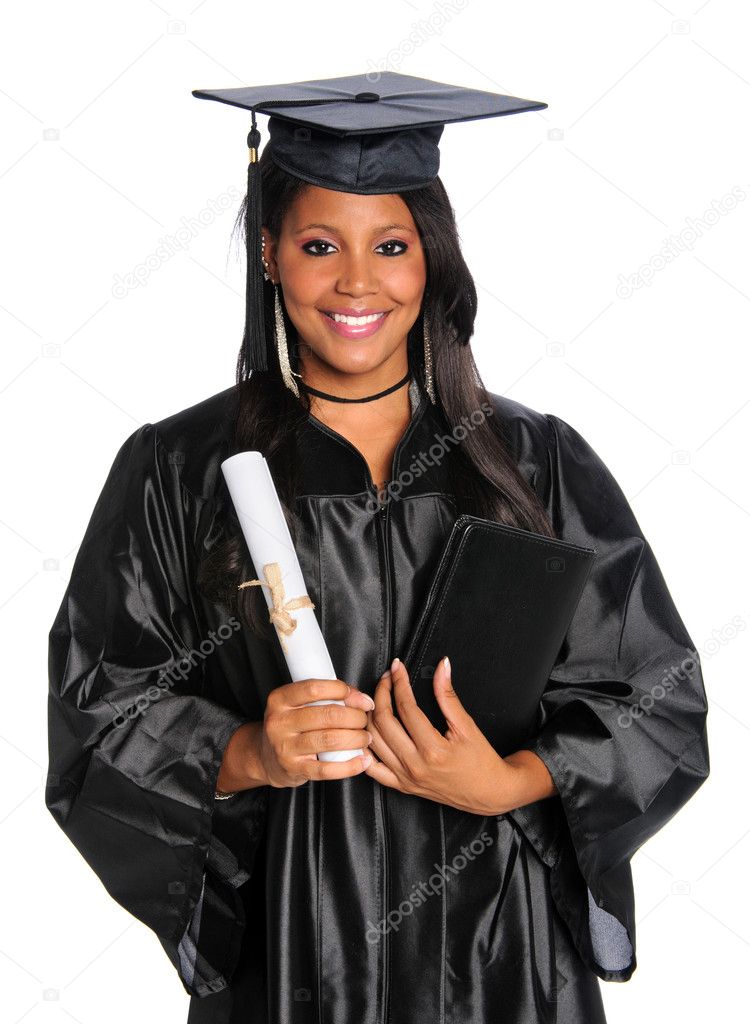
{"points": [[282, 749], [293, 735]]}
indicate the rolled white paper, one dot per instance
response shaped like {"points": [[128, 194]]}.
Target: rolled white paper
{"points": [[266, 533]]}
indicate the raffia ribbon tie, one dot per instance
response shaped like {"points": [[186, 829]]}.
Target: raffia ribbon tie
{"points": [[279, 614]]}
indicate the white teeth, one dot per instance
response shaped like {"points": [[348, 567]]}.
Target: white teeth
{"points": [[356, 321]]}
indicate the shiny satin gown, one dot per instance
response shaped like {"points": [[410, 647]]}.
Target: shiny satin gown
{"points": [[347, 902]]}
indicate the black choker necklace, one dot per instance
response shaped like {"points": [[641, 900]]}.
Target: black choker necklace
{"points": [[367, 398]]}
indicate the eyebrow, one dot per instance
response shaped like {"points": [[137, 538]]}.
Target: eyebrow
{"points": [[334, 231]]}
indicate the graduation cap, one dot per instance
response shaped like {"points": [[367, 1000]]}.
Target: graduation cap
{"points": [[342, 134]]}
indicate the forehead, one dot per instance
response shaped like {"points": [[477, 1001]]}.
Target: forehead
{"points": [[347, 211]]}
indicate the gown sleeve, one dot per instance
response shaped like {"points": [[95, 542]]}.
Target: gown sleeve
{"points": [[622, 726], [135, 746]]}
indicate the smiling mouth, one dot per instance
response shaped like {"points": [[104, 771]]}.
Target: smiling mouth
{"points": [[356, 321]]}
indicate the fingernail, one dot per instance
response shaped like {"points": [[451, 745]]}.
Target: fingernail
{"points": [[447, 663], [367, 760], [394, 664], [370, 701]]}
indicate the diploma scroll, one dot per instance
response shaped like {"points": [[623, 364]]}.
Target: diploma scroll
{"points": [[269, 542]]}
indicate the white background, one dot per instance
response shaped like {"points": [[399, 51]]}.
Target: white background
{"points": [[103, 152]]}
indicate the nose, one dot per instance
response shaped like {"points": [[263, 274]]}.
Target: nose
{"points": [[358, 274]]}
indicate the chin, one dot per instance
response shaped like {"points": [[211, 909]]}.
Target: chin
{"points": [[350, 356], [355, 363]]}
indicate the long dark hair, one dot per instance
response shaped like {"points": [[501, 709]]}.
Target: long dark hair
{"points": [[484, 477]]}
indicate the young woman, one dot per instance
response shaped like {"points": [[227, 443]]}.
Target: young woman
{"points": [[430, 879]]}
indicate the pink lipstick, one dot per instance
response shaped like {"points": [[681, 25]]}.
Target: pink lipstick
{"points": [[355, 323]]}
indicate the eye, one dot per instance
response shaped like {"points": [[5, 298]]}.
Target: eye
{"points": [[393, 241], [318, 241], [317, 247]]}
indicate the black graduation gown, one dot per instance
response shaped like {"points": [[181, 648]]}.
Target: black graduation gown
{"points": [[348, 901]]}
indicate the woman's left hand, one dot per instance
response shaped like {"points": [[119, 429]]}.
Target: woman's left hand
{"points": [[459, 768]]}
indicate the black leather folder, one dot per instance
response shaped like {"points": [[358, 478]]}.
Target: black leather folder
{"points": [[499, 606]]}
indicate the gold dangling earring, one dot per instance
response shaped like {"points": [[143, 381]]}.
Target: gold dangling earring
{"points": [[281, 344], [428, 378]]}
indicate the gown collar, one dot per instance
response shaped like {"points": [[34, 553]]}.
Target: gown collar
{"points": [[331, 465]]}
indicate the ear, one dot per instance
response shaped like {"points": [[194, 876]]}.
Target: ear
{"points": [[269, 250]]}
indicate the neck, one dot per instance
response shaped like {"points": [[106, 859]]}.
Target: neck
{"points": [[365, 418]]}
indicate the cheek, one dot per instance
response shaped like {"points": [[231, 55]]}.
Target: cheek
{"points": [[306, 279], [405, 280]]}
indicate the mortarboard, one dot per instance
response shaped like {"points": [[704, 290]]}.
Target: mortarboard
{"points": [[342, 134]]}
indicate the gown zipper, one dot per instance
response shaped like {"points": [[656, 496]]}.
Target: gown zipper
{"points": [[382, 516], [383, 519]]}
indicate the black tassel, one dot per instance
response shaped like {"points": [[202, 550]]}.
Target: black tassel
{"points": [[254, 346]]}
